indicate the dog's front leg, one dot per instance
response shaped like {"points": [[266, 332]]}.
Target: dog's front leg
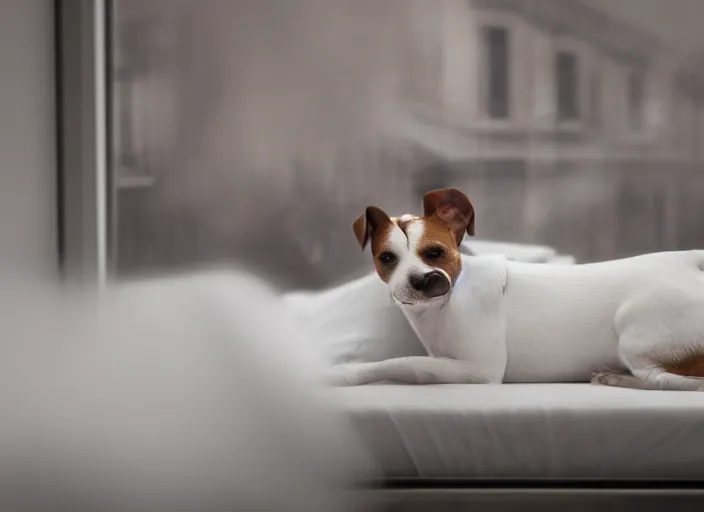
{"points": [[409, 370]]}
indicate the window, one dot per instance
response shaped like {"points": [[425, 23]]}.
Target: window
{"points": [[264, 143], [595, 98], [496, 47], [566, 72], [635, 98]]}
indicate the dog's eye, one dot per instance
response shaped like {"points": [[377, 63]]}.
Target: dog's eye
{"points": [[434, 253], [387, 258]]}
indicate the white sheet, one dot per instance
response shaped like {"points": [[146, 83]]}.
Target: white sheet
{"points": [[529, 430], [516, 252]]}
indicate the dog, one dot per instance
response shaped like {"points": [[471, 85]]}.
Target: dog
{"points": [[635, 322]]}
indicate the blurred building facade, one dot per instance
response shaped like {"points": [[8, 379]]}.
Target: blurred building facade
{"points": [[571, 128], [565, 126]]}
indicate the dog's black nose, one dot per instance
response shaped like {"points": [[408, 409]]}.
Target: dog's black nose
{"points": [[432, 284]]}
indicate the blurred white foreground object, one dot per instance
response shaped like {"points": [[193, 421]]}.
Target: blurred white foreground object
{"points": [[180, 394]]}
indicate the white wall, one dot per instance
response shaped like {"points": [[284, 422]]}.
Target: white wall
{"points": [[27, 139]]}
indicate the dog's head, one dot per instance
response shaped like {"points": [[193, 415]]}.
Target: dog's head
{"points": [[419, 256]]}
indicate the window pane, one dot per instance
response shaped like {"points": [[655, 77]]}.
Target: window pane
{"points": [[635, 99], [567, 86], [595, 99], [496, 40], [256, 132]]}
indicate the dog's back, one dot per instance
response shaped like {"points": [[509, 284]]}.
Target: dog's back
{"points": [[562, 321]]}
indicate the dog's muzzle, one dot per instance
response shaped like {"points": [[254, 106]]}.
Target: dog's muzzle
{"points": [[432, 284]]}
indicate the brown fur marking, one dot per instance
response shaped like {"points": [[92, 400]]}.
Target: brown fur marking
{"points": [[379, 245], [692, 366], [448, 215], [453, 207], [438, 234], [403, 223]]}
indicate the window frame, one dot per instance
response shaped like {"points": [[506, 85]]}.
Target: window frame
{"points": [[85, 200], [641, 125], [484, 18], [584, 59], [596, 93], [567, 91], [488, 88]]}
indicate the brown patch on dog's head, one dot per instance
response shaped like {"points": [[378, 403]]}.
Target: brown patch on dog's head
{"points": [[453, 208], [411, 253], [370, 224], [438, 248], [404, 221], [375, 225], [448, 215]]}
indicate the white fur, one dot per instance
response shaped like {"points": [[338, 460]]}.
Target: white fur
{"points": [[409, 263], [524, 322]]}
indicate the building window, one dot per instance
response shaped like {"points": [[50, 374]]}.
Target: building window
{"points": [[496, 51], [566, 72], [635, 98], [595, 98]]}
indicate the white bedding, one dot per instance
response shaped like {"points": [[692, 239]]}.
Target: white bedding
{"points": [[516, 252], [355, 323], [529, 430]]}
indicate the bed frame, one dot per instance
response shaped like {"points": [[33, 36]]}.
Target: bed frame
{"points": [[446, 495]]}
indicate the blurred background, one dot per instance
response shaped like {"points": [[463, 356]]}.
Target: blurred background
{"points": [[257, 130]]}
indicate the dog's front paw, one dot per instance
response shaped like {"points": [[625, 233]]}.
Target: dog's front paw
{"points": [[610, 379], [601, 378], [342, 375]]}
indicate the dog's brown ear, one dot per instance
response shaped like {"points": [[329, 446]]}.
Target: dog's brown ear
{"points": [[453, 208], [361, 230], [370, 222]]}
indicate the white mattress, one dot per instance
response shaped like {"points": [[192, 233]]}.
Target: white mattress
{"points": [[529, 430]]}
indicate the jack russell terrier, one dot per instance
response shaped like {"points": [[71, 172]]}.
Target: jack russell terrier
{"points": [[636, 322]]}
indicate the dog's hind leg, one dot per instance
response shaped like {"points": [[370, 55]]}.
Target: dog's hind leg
{"points": [[647, 372], [683, 373], [660, 378], [620, 380], [653, 378], [661, 340], [661, 355]]}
